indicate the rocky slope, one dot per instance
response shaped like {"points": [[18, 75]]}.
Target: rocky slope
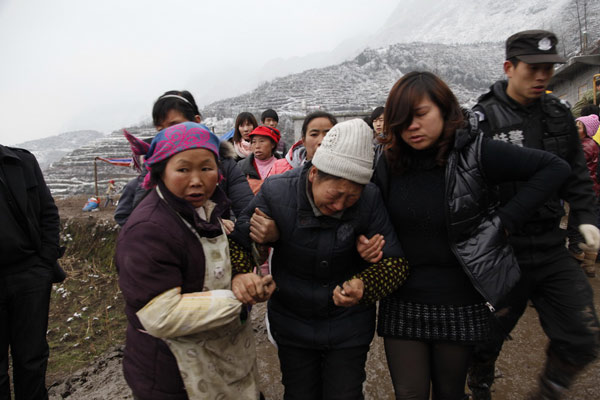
{"points": [[53, 148], [364, 82], [74, 173]]}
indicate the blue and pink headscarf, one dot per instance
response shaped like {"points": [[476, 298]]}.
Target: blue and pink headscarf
{"points": [[173, 140]]}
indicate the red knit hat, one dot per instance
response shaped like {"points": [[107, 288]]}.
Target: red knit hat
{"points": [[267, 131]]}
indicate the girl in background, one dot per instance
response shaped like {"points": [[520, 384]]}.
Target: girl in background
{"points": [[244, 124], [314, 128]]}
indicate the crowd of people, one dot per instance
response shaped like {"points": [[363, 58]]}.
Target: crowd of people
{"points": [[448, 218]]}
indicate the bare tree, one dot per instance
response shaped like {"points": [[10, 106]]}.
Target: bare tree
{"points": [[579, 23], [582, 22]]}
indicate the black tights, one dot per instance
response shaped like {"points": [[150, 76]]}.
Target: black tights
{"points": [[415, 364]]}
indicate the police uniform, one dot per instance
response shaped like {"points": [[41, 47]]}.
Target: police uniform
{"points": [[551, 278]]}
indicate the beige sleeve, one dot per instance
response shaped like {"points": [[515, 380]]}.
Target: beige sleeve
{"points": [[172, 314]]}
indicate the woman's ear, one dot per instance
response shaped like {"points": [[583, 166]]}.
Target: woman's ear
{"points": [[197, 118]]}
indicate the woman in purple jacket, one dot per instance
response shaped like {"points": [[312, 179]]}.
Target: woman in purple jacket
{"points": [[173, 251]]}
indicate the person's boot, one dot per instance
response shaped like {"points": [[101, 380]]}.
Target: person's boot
{"points": [[480, 379], [555, 380], [589, 264]]}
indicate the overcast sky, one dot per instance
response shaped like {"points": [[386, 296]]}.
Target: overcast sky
{"points": [[81, 64]]}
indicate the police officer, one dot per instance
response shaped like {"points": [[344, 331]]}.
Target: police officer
{"points": [[520, 112]]}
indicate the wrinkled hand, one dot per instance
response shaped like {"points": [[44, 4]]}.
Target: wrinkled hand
{"points": [[262, 228], [251, 289], [370, 250], [349, 294], [591, 235], [228, 226]]}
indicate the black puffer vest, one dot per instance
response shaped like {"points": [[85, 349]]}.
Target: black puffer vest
{"points": [[476, 235], [550, 128], [503, 117]]}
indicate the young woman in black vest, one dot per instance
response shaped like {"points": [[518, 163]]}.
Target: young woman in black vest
{"points": [[438, 175]]}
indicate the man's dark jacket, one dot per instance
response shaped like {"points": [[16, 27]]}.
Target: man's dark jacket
{"points": [[30, 221]]}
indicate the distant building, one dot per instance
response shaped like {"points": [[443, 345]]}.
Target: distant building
{"points": [[573, 79]]}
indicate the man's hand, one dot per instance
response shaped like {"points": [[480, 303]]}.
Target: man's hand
{"points": [[251, 289], [349, 294], [262, 228], [591, 235], [370, 250]]}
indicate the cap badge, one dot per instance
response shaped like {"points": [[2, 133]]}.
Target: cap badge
{"points": [[545, 44]]}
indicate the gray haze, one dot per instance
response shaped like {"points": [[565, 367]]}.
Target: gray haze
{"points": [[80, 64]]}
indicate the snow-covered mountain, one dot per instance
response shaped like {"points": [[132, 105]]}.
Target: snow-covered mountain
{"points": [[53, 148], [460, 41], [460, 21], [453, 22], [364, 82]]}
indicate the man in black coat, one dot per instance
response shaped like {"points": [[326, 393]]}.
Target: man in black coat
{"points": [[520, 112], [29, 245]]}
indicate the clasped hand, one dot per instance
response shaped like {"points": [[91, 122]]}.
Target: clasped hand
{"points": [[349, 294], [263, 228], [251, 289], [370, 250]]}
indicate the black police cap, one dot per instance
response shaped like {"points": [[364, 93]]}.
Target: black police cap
{"points": [[533, 47]]}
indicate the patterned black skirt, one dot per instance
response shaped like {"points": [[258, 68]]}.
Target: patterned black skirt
{"points": [[465, 324]]}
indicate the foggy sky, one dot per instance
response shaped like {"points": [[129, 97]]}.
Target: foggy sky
{"points": [[80, 64]]}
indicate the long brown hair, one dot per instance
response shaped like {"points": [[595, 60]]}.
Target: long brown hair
{"points": [[405, 95], [241, 118]]}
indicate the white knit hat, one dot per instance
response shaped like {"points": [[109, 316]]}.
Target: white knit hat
{"points": [[347, 152]]}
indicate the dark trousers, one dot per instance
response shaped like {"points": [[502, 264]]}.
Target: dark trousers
{"points": [[563, 298], [24, 302], [317, 374]]}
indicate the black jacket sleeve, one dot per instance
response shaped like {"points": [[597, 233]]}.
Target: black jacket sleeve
{"points": [[125, 207], [241, 234], [542, 172], [235, 185], [48, 218]]}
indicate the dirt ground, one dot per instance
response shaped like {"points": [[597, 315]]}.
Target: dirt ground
{"points": [[520, 362], [518, 366], [71, 207]]}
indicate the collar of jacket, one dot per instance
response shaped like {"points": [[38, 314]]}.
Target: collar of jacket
{"points": [[247, 167], [468, 133], [211, 228], [498, 90], [306, 216], [7, 152]]}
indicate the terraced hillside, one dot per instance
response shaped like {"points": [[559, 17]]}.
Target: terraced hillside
{"points": [[364, 82], [74, 173]]}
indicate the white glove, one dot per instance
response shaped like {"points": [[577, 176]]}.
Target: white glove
{"points": [[591, 235]]}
